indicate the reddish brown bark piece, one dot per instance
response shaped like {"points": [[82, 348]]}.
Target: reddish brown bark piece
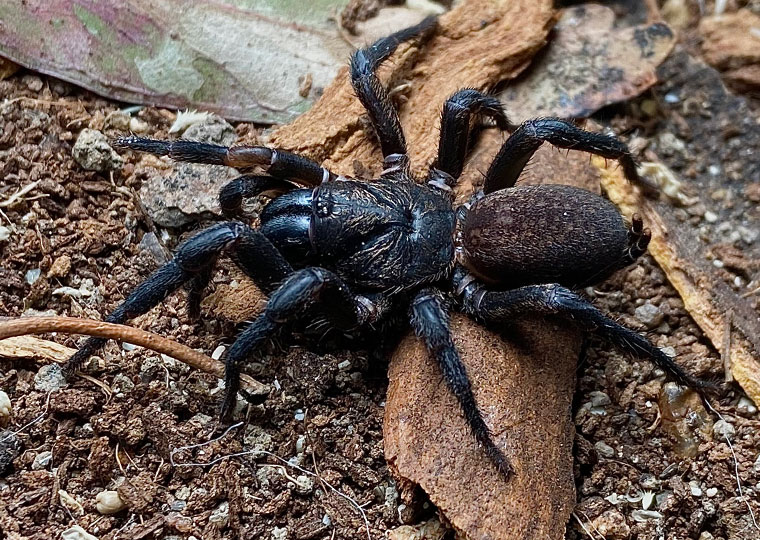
{"points": [[525, 386], [477, 45]]}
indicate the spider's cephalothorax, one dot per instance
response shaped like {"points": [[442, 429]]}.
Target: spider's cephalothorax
{"points": [[352, 251]]}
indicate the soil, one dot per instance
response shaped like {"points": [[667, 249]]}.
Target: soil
{"points": [[317, 469]]}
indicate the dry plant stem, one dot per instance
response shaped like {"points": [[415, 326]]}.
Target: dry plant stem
{"points": [[120, 332]]}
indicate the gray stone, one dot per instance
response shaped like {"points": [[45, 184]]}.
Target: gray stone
{"points": [[93, 152], [42, 460], [190, 192], [723, 429], [650, 315], [49, 378], [604, 449], [10, 447]]}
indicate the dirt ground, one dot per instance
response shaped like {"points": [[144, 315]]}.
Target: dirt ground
{"points": [[74, 248]]}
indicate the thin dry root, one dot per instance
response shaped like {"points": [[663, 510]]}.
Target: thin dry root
{"points": [[129, 334]]}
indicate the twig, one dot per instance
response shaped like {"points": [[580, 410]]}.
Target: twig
{"points": [[20, 193], [726, 352], [129, 334]]}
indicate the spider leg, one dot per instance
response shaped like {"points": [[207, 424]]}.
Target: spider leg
{"points": [[520, 146], [248, 186], [456, 128], [300, 295], [193, 261], [275, 162], [638, 240], [374, 97], [431, 322], [553, 299]]}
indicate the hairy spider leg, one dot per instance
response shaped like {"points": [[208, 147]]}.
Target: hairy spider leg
{"points": [[520, 146], [192, 262], [431, 322], [280, 165], [371, 93], [638, 240], [300, 295], [246, 187], [456, 131], [553, 299]]}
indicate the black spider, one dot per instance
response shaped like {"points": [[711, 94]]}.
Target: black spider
{"points": [[352, 251]]}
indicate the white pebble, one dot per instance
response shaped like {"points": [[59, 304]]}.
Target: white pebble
{"points": [[218, 352], [711, 492], [32, 275], [300, 415], [77, 533], [344, 365], [5, 233], [109, 502], [746, 405], [5, 405], [695, 488]]}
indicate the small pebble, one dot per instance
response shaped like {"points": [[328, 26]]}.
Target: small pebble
{"points": [[604, 449], [32, 275], [109, 502], [5, 233], [42, 460], [218, 352], [280, 533], [344, 365], [711, 492], [711, 217], [304, 484], [10, 446], [5, 406], [746, 405], [645, 515], [300, 415], [93, 152], [724, 429], [650, 315], [77, 533], [695, 488], [137, 126], [599, 399], [49, 378], [300, 444], [221, 515]]}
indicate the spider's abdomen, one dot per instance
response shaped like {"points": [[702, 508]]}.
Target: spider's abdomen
{"points": [[544, 234], [385, 234]]}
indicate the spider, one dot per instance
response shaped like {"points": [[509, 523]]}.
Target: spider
{"points": [[356, 253]]}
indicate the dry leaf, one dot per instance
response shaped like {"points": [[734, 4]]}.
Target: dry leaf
{"points": [[242, 60], [589, 64]]}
